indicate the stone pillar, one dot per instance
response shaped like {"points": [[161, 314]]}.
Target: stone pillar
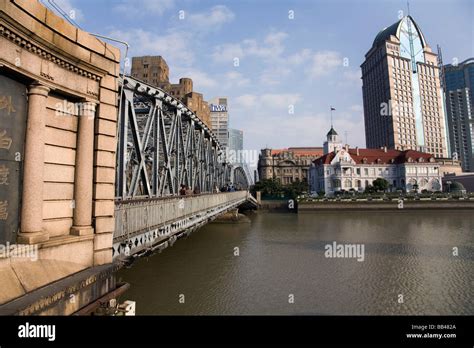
{"points": [[83, 180], [33, 164]]}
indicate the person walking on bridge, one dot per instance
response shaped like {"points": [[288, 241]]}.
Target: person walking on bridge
{"points": [[188, 191]]}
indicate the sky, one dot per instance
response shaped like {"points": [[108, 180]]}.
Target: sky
{"points": [[296, 58]]}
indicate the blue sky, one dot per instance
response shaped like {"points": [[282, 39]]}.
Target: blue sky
{"points": [[311, 61]]}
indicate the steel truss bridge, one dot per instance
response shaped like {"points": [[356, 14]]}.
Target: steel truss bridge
{"points": [[163, 145]]}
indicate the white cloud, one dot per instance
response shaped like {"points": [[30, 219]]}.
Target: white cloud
{"points": [[200, 79], [277, 65], [275, 74], [300, 57], [214, 18], [227, 52], [353, 76], [269, 101], [144, 7], [271, 48], [324, 62], [251, 47], [280, 101], [348, 79], [236, 79], [245, 101], [173, 46], [275, 38]]}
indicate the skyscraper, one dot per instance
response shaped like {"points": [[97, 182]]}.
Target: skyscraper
{"points": [[236, 144], [220, 120], [403, 105], [459, 84]]}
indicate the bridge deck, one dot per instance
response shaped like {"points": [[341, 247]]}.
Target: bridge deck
{"points": [[146, 224]]}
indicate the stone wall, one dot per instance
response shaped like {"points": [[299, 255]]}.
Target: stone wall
{"points": [[382, 205], [68, 161]]}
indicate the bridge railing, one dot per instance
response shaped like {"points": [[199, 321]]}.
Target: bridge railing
{"points": [[136, 216]]}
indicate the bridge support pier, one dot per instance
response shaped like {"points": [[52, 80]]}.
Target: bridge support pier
{"points": [[32, 200]]}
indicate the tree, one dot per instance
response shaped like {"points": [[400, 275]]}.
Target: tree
{"points": [[369, 189], [295, 189], [380, 184], [268, 187]]}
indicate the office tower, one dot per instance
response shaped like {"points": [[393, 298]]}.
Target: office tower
{"points": [[220, 120], [403, 104], [236, 144], [459, 89]]}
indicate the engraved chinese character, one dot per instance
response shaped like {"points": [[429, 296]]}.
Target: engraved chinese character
{"points": [[3, 210], [6, 103], [5, 140], [4, 172]]}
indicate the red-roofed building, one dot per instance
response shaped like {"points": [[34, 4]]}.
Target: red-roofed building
{"points": [[354, 169], [287, 165]]}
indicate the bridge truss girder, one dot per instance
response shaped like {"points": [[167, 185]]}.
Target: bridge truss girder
{"points": [[238, 177], [163, 145]]}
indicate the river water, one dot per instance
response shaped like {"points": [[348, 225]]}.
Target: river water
{"points": [[281, 267]]}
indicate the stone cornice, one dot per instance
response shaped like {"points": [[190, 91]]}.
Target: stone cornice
{"points": [[27, 44]]}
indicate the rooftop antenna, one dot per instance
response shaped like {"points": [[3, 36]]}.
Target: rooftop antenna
{"points": [[332, 109], [410, 38], [441, 68], [345, 134]]}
